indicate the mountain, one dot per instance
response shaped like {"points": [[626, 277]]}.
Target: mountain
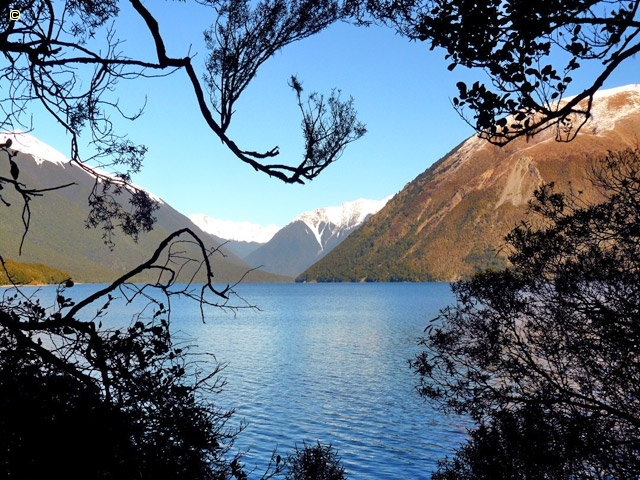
{"points": [[291, 249], [241, 238], [57, 235], [451, 220], [311, 235]]}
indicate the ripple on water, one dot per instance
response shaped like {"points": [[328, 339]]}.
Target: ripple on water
{"points": [[329, 362]]}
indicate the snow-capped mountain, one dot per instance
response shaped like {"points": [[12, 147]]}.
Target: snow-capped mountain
{"points": [[311, 235], [336, 222], [451, 220], [293, 248], [238, 231], [57, 234], [41, 152], [30, 145]]}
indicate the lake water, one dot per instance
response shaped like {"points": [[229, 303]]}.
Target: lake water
{"points": [[328, 362]]}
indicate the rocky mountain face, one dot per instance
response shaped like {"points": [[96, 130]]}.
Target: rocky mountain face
{"points": [[451, 220], [57, 235]]}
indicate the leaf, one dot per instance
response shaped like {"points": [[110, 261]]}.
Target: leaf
{"points": [[547, 70], [532, 71]]}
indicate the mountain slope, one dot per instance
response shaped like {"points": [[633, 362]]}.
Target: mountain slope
{"points": [[30, 274], [57, 235], [289, 252], [311, 235], [451, 220]]}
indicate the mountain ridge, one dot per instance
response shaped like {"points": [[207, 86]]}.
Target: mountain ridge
{"points": [[451, 219], [236, 231], [57, 234], [297, 245], [345, 217]]}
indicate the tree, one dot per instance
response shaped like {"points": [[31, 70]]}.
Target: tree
{"points": [[65, 56], [87, 401], [543, 356], [133, 402], [529, 51], [317, 462]]}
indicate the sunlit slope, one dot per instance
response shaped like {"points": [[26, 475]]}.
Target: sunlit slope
{"points": [[451, 220], [30, 273]]}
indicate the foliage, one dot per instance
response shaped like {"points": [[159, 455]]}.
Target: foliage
{"points": [[132, 401], [529, 442], [513, 41], [317, 462], [485, 259], [68, 57], [543, 356], [30, 273]]}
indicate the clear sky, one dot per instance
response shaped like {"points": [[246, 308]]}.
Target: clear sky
{"points": [[402, 92]]}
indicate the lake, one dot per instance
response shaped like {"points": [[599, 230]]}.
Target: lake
{"points": [[327, 362]]}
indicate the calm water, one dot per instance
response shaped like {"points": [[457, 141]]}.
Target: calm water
{"points": [[328, 362]]}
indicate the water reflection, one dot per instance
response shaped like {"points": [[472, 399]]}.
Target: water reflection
{"points": [[326, 362]]}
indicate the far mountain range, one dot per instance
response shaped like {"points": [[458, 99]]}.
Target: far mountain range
{"points": [[298, 245], [57, 235], [446, 224]]}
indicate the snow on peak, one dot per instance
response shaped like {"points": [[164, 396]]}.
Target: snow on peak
{"points": [[346, 216], [606, 111], [41, 152], [238, 231], [632, 88], [609, 106], [30, 145]]}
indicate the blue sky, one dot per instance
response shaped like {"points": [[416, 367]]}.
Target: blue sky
{"points": [[402, 92]]}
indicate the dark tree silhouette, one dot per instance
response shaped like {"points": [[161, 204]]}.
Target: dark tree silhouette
{"points": [[543, 356], [80, 400], [530, 52], [65, 57], [314, 462]]}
